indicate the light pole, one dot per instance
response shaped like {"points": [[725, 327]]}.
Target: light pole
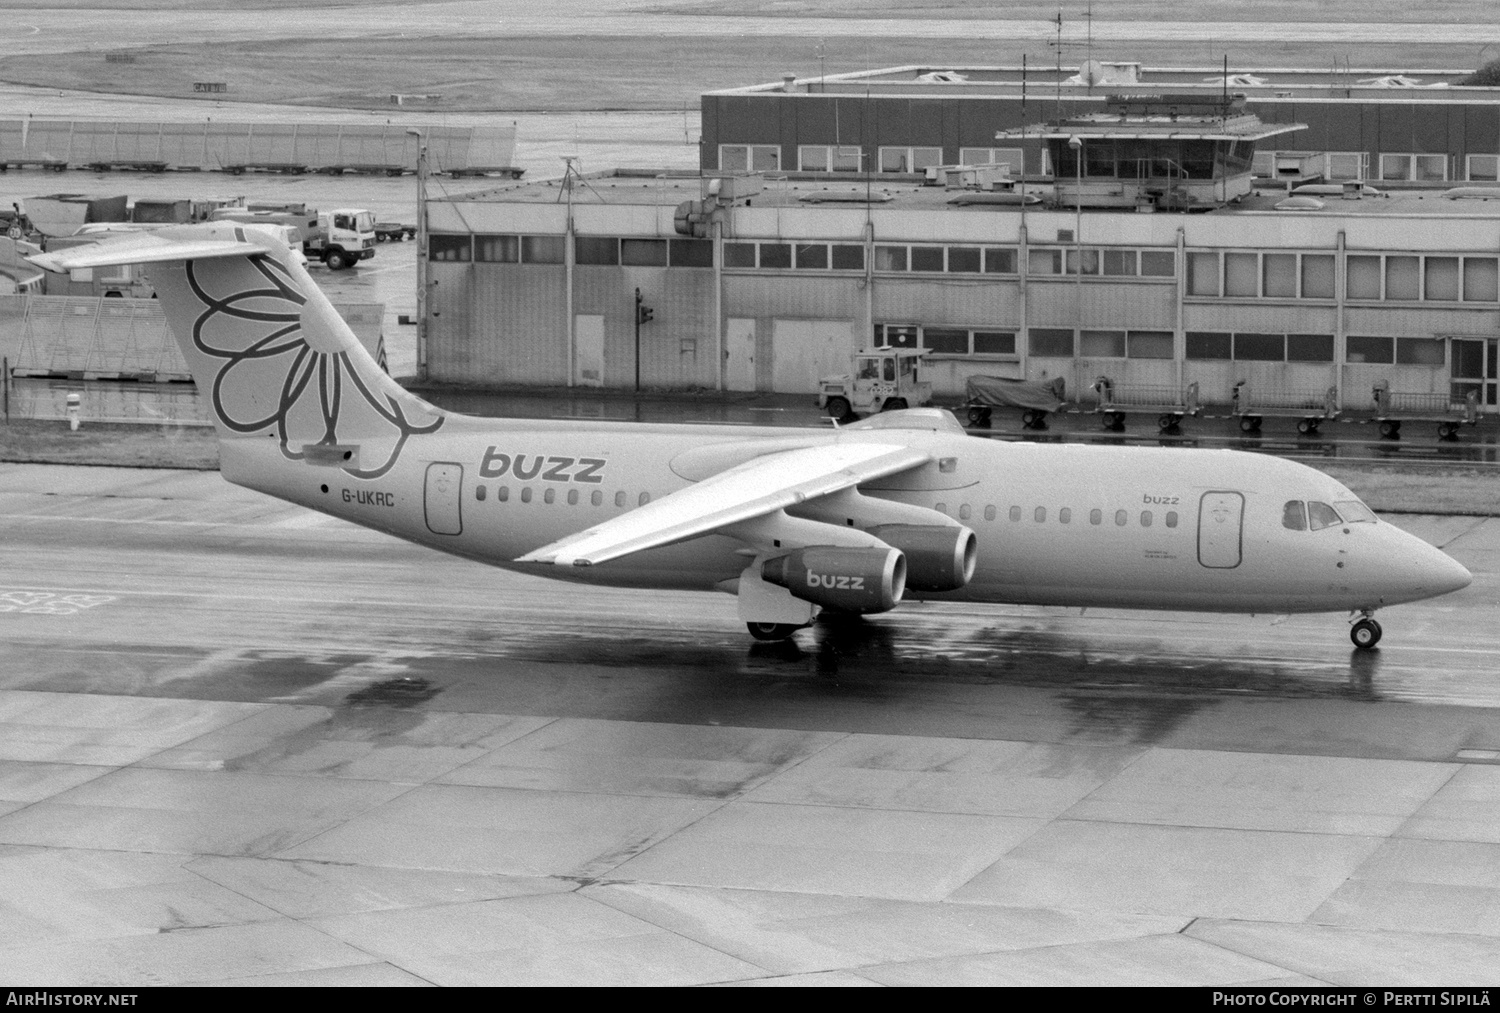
{"points": [[1076, 144], [421, 253]]}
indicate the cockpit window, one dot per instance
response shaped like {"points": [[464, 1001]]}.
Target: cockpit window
{"points": [[1321, 515], [1294, 515], [1355, 512]]}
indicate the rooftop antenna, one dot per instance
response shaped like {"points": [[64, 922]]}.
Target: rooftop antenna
{"points": [[822, 51], [1058, 53]]}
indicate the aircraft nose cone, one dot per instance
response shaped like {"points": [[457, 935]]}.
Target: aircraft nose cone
{"points": [[1451, 575]]}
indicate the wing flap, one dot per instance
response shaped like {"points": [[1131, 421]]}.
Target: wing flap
{"points": [[752, 489]]}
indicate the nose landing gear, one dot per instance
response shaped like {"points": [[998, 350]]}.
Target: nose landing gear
{"points": [[1366, 631]]}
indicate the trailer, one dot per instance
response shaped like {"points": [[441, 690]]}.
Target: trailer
{"points": [[1310, 408], [1035, 398], [1168, 402], [1393, 407], [394, 232]]}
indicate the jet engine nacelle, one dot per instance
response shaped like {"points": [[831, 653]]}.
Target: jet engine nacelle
{"points": [[850, 580], [938, 558]]}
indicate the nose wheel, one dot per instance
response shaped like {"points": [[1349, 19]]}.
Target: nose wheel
{"points": [[1365, 633]]}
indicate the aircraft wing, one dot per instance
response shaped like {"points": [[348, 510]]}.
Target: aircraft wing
{"points": [[749, 490]]}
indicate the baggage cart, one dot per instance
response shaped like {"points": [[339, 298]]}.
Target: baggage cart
{"points": [[1310, 408], [1168, 402], [1393, 407], [1035, 398]]}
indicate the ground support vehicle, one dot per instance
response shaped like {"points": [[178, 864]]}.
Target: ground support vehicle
{"points": [[884, 379], [337, 238], [1170, 404], [1309, 408], [1035, 398], [1394, 407], [394, 232]]}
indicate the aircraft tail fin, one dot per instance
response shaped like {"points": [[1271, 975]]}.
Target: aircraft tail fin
{"points": [[269, 353]]}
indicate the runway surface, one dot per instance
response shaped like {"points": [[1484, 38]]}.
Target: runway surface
{"points": [[243, 743]]}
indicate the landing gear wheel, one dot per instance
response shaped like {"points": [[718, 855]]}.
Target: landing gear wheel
{"points": [[772, 631], [1365, 634], [838, 408], [893, 404]]}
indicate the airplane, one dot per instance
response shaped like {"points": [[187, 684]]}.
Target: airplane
{"points": [[850, 519]]}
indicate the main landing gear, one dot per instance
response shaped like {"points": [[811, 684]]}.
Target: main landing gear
{"points": [[1366, 631], [772, 631]]}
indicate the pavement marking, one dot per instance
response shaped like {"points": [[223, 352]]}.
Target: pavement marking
{"points": [[50, 603]]}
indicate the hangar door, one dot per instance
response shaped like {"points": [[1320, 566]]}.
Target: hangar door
{"points": [[1221, 517], [441, 500], [804, 350]]}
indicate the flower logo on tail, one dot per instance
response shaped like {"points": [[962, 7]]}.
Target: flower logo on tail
{"points": [[287, 366]]}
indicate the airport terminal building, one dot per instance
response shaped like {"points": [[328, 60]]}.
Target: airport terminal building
{"points": [[1149, 241]]}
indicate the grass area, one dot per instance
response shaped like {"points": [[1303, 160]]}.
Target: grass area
{"points": [[1075, 13], [1421, 488], [124, 446], [599, 73]]}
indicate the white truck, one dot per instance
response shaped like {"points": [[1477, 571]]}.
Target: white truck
{"points": [[884, 379], [338, 238]]}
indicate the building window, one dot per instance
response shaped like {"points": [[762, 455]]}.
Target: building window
{"points": [[1013, 157], [1344, 165], [926, 258], [595, 250], [1209, 345], [1149, 345], [691, 252], [1044, 261], [890, 258], [643, 252], [498, 249], [1403, 278], [543, 249], [848, 257], [1480, 280], [997, 261], [775, 255], [963, 260], [1395, 167], [1430, 168], [1363, 277], [739, 254], [994, 343], [450, 248], [945, 340], [1361, 348], [1119, 263], [1241, 272], [1279, 275], [1484, 168], [1441, 278], [1101, 344], [1203, 274], [1421, 351], [1317, 276], [828, 158], [1158, 264], [1051, 341], [812, 256], [1089, 259], [749, 157], [1309, 348], [909, 159]]}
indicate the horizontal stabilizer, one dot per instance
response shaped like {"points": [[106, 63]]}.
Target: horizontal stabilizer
{"points": [[752, 489], [141, 249]]}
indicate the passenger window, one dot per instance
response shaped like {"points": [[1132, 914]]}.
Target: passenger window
{"points": [[1064, 515], [1122, 517], [989, 512], [503, 493], [479, 493], [1145, 518], [645, 498], [1015, 513], [941, 508], [620, 498], [1096, 516], [596, 497], [1355, 512], [1171, 518], [1040, 515], [1321, 515], [1294, 515], [572, 497], [526, 495], [549, 496], [963, 512]]}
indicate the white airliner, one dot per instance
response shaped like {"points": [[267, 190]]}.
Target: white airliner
{"points": [[855, 519]]}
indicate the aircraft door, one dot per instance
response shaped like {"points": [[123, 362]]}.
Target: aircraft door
{"points": [[1221, 517], [441, 498]]}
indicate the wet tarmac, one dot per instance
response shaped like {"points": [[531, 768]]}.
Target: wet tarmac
{"points": [[247, 744]]}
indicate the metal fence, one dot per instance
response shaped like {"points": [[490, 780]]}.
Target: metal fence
{"points": [[158, 404], [236, 146]]}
